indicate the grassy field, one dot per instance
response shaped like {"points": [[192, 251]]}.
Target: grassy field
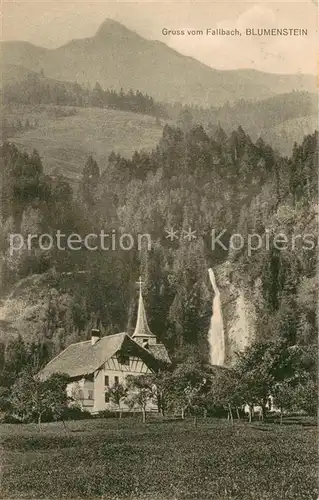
{"points": [[124, 459], [65, 143]]}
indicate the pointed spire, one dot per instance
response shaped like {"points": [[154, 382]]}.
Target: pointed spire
{"points": [[141, 329]]}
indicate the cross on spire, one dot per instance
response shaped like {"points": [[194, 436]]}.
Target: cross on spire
{"points": [[140, 283], [141, 329]]}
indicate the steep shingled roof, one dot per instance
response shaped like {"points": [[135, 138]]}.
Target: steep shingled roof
{"points": [[83, 358]]}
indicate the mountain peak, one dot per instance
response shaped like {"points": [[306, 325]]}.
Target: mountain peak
{"points": [[109, 27]]}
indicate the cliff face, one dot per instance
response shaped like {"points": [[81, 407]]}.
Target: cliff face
{"points": [[36, 309], [238, 311]]}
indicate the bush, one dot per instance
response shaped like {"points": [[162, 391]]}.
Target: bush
{"points": [[115, 414], [7, 418], [76, 413]]}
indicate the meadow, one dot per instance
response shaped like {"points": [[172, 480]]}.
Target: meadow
{"points": [[121, 459], [64, 143]]}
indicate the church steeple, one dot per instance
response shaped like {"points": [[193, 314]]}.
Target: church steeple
{"points": [[142, 333]]}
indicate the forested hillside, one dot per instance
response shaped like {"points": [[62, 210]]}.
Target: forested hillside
{"points": [[35, 88], [193, 179], [280, 120], [65, 136]]}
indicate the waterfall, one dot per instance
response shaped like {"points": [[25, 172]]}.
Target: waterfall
{"points": [[216, 337]]}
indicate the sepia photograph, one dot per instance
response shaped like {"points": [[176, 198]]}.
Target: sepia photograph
{"points": [[158, 250]]}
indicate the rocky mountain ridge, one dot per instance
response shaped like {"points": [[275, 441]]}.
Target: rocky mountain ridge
{"points": [[118, 57]]}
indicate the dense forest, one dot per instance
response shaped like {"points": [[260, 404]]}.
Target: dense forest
{"points": [[36, 89], [258, 118], [196, 179]]}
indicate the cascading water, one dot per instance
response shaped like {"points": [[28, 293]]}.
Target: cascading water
{"points": [[216, 337]]}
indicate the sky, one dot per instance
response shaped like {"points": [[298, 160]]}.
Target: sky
{"points": [[52, 23]]}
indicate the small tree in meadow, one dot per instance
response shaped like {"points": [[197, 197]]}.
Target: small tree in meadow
{"points": [[32, 398], [255, 370], [117, 394], [306, 396], [28, 398], [162, 381], [275, 368], [187, 384], [57, 399], [284, 395], [223, 392], [141, 391]]}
